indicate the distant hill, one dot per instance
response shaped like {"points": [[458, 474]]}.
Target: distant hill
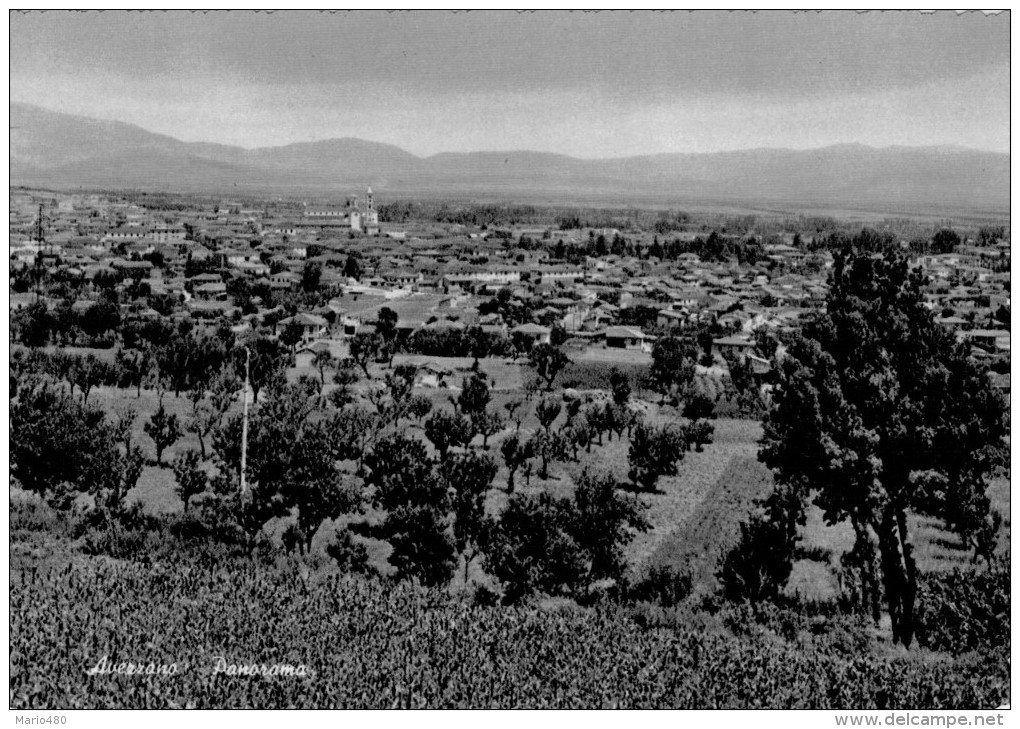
{"points": [[61, 150]]}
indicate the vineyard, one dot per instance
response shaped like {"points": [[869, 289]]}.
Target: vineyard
{"points": [[368, 643]]}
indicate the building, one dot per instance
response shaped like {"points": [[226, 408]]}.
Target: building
{"points": [[733, 346], [312, 325], [624, 338], [352, 215], [537, 333]]}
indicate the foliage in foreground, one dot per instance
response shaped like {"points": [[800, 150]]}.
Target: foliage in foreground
{"points": [[374, 644], [961, 611]]}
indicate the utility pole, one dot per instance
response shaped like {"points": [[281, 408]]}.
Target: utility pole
{"points": [[39, 226], [244, 428], [39, 253]]}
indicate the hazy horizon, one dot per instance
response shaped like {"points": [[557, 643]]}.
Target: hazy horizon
{"points": [[536, 151], [588, 85]]}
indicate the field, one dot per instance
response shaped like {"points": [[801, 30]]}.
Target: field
{"points": [[369, 642], [694, 516], [352, 642]]}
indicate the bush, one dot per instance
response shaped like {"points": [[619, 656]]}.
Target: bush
{"points": [[963, 611], [667, 586], [350, 555], [32, 515], [485, 596], [758, 567], [133, 544]]}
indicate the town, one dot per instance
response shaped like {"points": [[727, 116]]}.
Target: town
{"points": [[510, 360], [327, 271]]}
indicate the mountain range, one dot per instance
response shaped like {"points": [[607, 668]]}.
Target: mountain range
{"points": [[52, 149]]}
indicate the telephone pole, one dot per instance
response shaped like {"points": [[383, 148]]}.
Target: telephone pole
{"points": [[38, 254], [244, 428]]}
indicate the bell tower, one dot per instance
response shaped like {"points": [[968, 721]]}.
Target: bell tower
{"points": [[371, 219]]}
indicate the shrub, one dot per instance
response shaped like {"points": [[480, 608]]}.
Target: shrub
{"points": [[758, 567], [964, 610], [667, 586], [349, 555]]}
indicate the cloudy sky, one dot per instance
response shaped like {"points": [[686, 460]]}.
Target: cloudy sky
{"points": [[585, 84]]}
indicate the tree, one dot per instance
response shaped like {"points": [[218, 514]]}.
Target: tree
{"points": [[766, 343], [744, 384], [65, 446], [699, 406], [620, 385], [322, 361], [204, 417], [416, 502], [268, 367], [133, 367], [164, 429], [316, 486], [605, 523], [191, 479], [33, 324], [418, 406], [530, 547], [945, 241], [548, 446], [515, 411], [474, 396], [487, 423], [479, 344], [469, 476], [344, 377], [654, 452], [292, 335], [548, 362], [515, 455], [448, 430], [879, 413], [291, 457], [758, 567], [352, 267], [311, 275], [207, 410], [365, 347], [386, 328], [672, 370], [87, 372], [394, 399], [547, 410], [101, 317], [699, 434]]}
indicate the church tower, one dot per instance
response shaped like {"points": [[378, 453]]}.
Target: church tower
{"points": [[371, 219]]}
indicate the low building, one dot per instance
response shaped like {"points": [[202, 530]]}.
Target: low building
{"points": [[537, 333], [312, 325], [624, 338], [733, 346]]}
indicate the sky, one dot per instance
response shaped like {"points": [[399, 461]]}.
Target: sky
{"points": [[605, 84]]}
